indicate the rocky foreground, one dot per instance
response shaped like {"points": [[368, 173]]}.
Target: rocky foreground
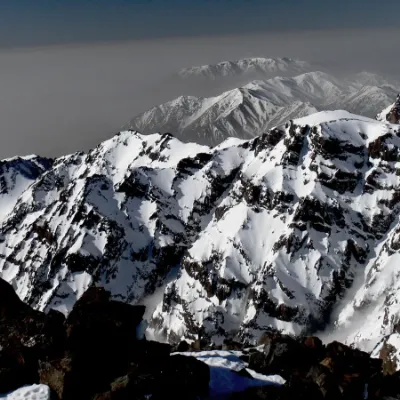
{"points": [[99, 353]]}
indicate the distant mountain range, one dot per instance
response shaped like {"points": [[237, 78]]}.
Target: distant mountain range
{"points": [[247, 66], [254, 108]]}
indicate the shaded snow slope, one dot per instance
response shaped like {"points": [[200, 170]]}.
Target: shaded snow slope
{"points": [[16, 174], [220, 242]]}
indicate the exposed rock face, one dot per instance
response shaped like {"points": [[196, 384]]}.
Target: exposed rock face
{"points": [[219, 243]]}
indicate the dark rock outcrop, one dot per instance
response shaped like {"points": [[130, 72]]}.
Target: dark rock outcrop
{"points": [[26, 336], [285, 356], [315, 371], [94, 353]]}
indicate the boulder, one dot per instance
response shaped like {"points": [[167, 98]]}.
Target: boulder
{"points": [[281, 355]]}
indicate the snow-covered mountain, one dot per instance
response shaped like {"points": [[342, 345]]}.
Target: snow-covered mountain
{"points": [[247, 66], [289, 230], [251, 110], [243, 113]]}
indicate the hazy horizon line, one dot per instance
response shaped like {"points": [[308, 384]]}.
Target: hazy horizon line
{"points": [[162, 38]]}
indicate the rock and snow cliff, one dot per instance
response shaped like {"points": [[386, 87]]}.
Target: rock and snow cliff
{"points": [[391, 113], [274, 232]]}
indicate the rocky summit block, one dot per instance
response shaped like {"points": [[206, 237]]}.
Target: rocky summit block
{"points": [[94, 353], [286, 356], [26, 336]]}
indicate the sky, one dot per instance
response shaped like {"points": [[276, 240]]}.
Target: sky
{"points": [[73, 72], [39, 22]]}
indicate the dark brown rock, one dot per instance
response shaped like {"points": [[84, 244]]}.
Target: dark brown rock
{"points": [[53, 374], [95, 320], [282, 355], [26, 336], [100, 346], [325, 380], [175, 377], [182, 347]]}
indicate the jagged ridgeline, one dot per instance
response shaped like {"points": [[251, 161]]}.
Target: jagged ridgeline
{"points": [[219, 242]]}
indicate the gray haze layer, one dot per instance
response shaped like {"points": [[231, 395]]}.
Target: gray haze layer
{"points": [[57, 100]]}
